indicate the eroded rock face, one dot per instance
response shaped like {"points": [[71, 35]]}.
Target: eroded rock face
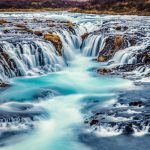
{"points": [[84, 36]]}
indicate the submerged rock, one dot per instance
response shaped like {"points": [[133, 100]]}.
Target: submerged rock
{"points": [[3, 85], [127, 116], [104, 70]]}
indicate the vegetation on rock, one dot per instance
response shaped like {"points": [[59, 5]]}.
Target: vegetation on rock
{"points": [[3, 22], [55, 39]]}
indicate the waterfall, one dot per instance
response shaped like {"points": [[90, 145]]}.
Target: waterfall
{"points": [[70, 43], [128, 55], [93, 44], [28, 57], [32, 57]]}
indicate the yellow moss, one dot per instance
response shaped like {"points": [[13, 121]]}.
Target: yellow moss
{"points": [[55, 39], [3, 22], [118, 41], [102, 58], [70, 25]]}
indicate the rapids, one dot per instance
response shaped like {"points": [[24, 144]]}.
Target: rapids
{"points": [[68, 87], [52, 104]]}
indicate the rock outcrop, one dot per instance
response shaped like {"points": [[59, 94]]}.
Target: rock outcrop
{"points": [[55, 39]]}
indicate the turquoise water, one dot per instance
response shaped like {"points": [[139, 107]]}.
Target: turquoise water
{"points": [[67, 90]]}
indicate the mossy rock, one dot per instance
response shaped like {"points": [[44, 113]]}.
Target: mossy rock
{"points": [[55, 39], [118, 41], [102, 58], [104, 70], [36, 32], [2, 21], [84, 36]]}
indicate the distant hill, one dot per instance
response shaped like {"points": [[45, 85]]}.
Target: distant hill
{"points": [[120, 5], [92, 6], [39, 3]]}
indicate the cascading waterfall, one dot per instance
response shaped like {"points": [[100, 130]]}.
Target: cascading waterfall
{"points": [[70, 43], [93, 44], [29, 58], [49, 109], [128, 55]]}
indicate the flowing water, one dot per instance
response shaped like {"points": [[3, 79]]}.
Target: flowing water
{"points": [[63, 105], [58, 97]]}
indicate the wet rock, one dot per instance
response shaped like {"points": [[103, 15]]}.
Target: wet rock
{"points": [[18, 118], [3, 85], [2, 21], [55, 39], [112, 45], [118, 27], [144, 57], [93, 122], [84, 36], [22, 26], [102, 58], [138, 103], [126, 67], [128, 129], [36, 32], [104, 71]]}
